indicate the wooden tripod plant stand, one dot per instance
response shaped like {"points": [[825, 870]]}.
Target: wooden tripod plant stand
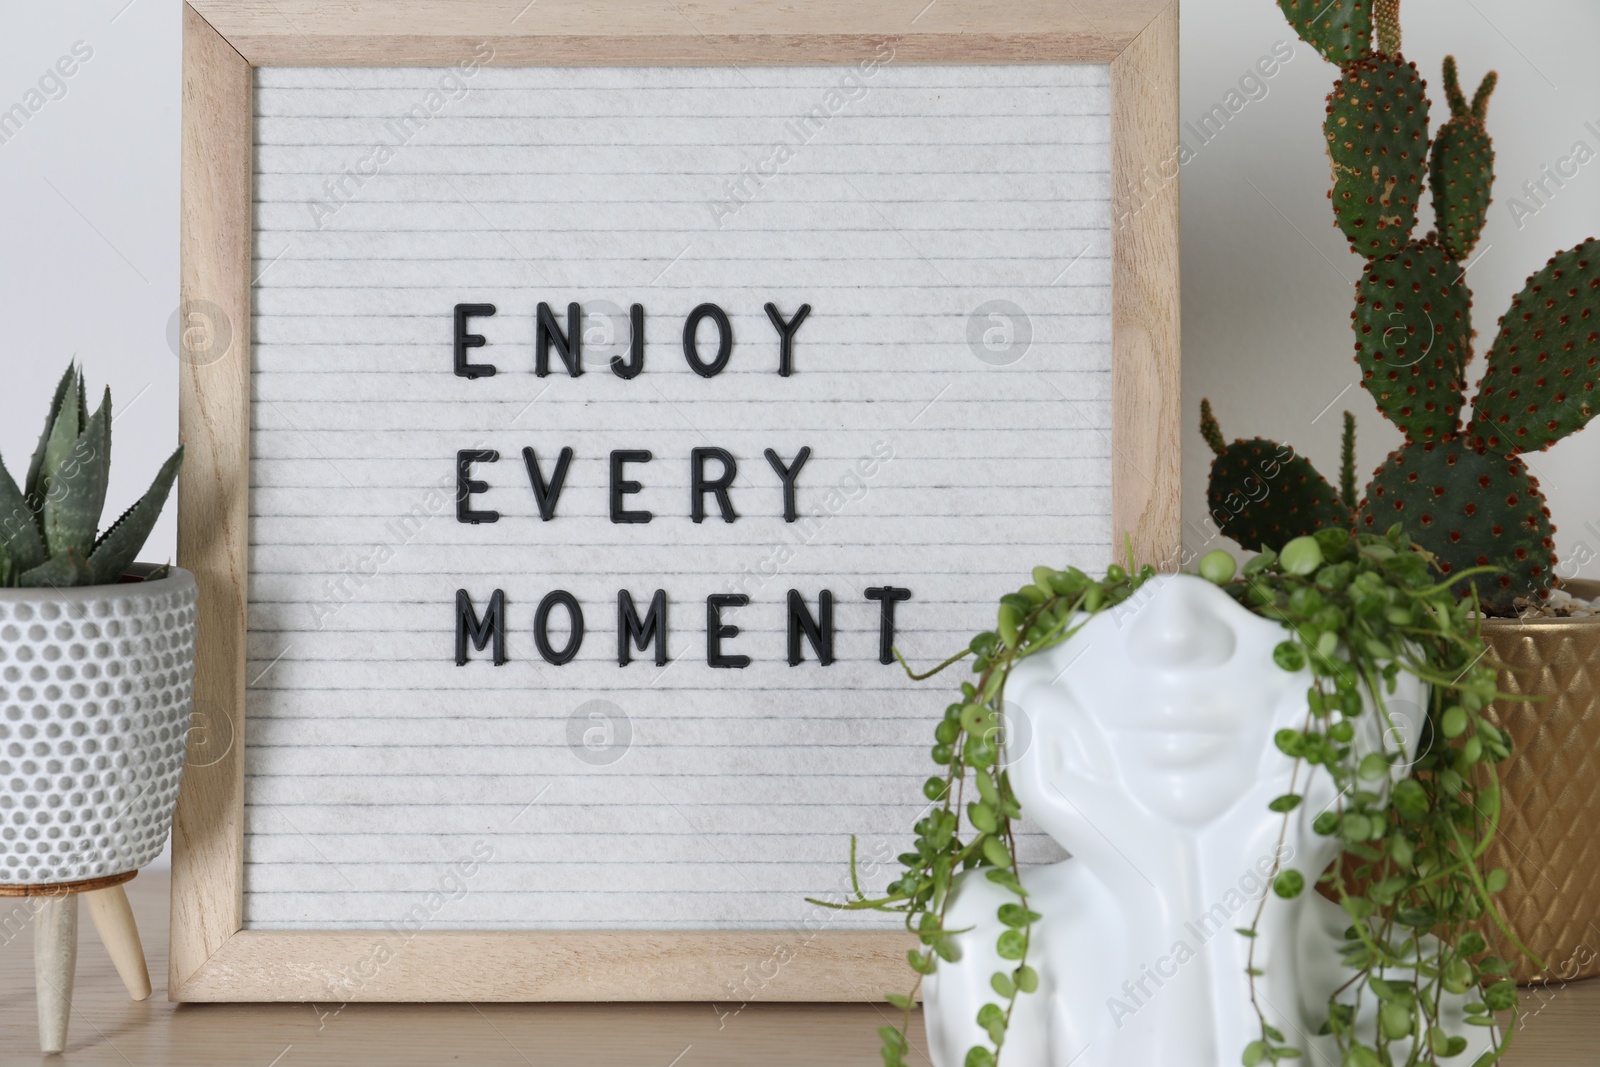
{"points": [[55, 945]]}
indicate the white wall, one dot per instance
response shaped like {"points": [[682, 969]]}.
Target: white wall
{"points": [[89, 229], [1268, 281], [89, 264]]}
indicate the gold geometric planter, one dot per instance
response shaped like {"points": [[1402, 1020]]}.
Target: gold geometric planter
{"points": [[1549, 836]]}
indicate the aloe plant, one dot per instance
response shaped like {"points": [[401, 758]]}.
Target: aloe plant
{"points": [[48, 529]]}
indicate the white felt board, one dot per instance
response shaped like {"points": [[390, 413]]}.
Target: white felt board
{"points": [[386, 784]]}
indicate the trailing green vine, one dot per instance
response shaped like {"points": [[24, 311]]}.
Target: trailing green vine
{"points": [[966, 745], [1358, 610]]}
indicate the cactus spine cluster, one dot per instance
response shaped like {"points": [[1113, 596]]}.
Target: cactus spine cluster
{"points": [[48, 527], [1457, 486]]}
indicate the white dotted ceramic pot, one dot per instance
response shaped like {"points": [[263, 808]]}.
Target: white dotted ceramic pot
{"points": [[95, 695]]}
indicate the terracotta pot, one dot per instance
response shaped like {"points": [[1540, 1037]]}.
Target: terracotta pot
{"points": [[1549, 839]]}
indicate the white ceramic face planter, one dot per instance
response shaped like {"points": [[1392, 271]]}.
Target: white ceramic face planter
{"points": [[1149, 757]]}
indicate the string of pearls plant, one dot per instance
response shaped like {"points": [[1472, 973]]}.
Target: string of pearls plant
{"points": [[1357, 610]]}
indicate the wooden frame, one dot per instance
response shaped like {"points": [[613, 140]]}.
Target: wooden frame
{"points": [[212, 957]]}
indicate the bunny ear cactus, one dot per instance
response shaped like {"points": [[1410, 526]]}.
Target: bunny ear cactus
{"points": [[1341, 30], [1413, 326], [1471, 508], [1377, 134], [1262, 494], [1540, 385], [1462, 493], [47, 527], [1461, 170], [1386, 22], [1468, 498]]}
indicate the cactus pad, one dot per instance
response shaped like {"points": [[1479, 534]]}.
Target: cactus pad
{"points": [[1540, 384], [1263, 495], [1461, 169], [1386, 23], [1413, 326], [1470, 508], [1341, 30], [1452, 88], [1377, 135]]}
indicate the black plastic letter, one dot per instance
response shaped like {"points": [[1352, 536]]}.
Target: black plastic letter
{"points": [[717, 631], [465, 340], [635, 362], [691, 348], [787, 475], [621, 486], [630, 628], [888, 595], [466, 484], [818, 631], [699, 486], [480, 631], [569, 345], [541, 626], [786, 332], [546, 494]]}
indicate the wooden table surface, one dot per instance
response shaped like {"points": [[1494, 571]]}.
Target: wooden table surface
{"points": [[1561, 1028]]}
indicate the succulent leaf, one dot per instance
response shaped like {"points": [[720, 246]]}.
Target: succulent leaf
{"points": [[62, 570], [1263, 495], [1470, 508], [63, 438], [76, 489], [1377, 135], [1413, 327], [121, 542], [38, 469], [1461, 167], [1540, 383], [1341, 30], [20, 542], [47, 531]]}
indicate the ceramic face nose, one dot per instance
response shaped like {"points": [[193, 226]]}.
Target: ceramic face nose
{"points": [[1181, 628]]}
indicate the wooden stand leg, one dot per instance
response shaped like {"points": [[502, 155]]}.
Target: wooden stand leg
{"points": [[55, 960], [112, 917]]}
